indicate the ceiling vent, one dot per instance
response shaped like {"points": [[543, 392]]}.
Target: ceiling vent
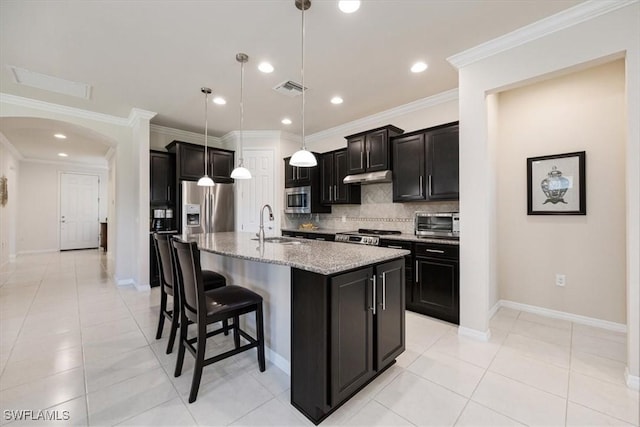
{"points": [[50, 83], [290, 88]]}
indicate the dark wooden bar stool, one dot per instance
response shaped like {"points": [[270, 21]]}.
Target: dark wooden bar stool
{"points": [[204, 308], [167, 270]]}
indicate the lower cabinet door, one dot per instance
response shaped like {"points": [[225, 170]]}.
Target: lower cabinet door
{"points": [[437, 288], [390, 302], [351, 333]]}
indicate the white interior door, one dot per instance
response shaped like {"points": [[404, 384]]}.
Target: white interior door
{"points": [[79, 211], [257, 191]]}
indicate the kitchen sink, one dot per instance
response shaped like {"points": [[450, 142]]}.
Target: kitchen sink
{"points": [[281, 240]]}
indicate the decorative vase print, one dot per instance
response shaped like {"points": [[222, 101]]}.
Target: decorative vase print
{"points": [[555, 186]]}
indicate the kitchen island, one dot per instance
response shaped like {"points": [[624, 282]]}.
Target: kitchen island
{"points": [[334, 312]]}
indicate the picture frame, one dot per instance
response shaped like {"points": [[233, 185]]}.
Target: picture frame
{"points": [[556, 184]]}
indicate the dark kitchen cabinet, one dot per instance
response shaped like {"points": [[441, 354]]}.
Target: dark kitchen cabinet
{"points": [[345, 330], [370, 151], [425, 164], [162, 178], [333, 169], [437, 282], [408, 263], [190, 162], [295, 176]]}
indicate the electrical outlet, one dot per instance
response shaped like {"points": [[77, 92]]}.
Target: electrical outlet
{"points": [[561, 279]]}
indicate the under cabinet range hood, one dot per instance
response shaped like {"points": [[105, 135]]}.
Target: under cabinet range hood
{"points": [[369, 177]]}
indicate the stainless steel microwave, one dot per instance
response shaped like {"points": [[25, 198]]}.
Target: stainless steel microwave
{"points": [[297, 200], [439, 224]]}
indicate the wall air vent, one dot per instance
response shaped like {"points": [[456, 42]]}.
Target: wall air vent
{"points": [[289, 88]]}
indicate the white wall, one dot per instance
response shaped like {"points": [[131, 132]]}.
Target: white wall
{"points": [[603, 36], [38, 219], [9, 168], [582, 111]]}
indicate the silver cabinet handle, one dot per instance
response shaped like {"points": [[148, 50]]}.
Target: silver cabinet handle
{"points": [[430, 188], [368, 158], [330, 193], [416, 271], [335, 192], [420, 185], [168, 193], [435, 251], [384, 290], [361, 159], [373, 287], [394, 247], [320, 238]]}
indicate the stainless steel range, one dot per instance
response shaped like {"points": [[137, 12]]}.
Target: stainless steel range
{"points": [[364, 236]]}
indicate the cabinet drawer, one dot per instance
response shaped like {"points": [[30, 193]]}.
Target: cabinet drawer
{"points": [[435, 250], [396, 244]]}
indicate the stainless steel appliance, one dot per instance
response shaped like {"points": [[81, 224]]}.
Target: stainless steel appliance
{"points": [[207, 209], [297, 200], [364, 236], [437, 224]]}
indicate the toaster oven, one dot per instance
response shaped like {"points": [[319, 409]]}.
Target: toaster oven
{"points": [[437, 224]]}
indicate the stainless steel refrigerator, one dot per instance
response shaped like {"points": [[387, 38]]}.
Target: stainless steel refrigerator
{"points": [[207, 209]]}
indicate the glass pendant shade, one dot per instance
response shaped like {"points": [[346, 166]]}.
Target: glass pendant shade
{"points": [[303, 158], [205, 181], [241, 172]]}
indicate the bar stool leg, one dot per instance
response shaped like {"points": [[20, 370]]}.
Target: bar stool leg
{"points": [[163, 308], [174, 325], [197, 370], [181, 339], [236, 334], [260, 336]]}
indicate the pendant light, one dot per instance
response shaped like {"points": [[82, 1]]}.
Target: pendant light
{"points": [[205, 181], [302, 157], [241, 172]]}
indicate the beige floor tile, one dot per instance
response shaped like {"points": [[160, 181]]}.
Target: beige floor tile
{"points": [[104, 372], [171, 413], [539, 350], [602, 396], [273, 413], [470, 350], [542, 332], [544, 376], [598, 367], [447, 371], [606, 334], [519, 401], [374, 414], [39, 366], [600, 347], [476, 415], [547, 321], [579, 416], [420, 401]]}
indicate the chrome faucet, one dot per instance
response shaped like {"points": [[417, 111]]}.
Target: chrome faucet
{"points": [[260, 233]]}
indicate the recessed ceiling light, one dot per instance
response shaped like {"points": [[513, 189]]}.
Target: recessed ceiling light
{"points": [[265, 67], [286, 121], [219, 100], [337, 100], [60, 136], [419, 67], [63, 155], [349, 6]]}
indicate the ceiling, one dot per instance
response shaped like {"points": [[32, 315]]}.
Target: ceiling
{"points": [[155, 55]]}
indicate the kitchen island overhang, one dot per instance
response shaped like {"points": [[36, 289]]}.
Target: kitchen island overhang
{"points": [[334, 312]]}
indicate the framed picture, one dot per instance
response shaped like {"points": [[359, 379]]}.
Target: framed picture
{"points": [[556, 185]]}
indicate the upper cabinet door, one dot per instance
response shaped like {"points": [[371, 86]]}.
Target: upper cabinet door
{"points": [[326, 178], [443, 169], [342, 191], [356, 154], [409, 168], [161, 179], [191, 162], [377, 151], [221, 164]]}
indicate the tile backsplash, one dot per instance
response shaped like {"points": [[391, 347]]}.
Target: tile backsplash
{"points": [[376, 211]]}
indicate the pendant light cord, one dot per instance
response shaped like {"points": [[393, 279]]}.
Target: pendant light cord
{"points": [[304, 147], [241, 112], [206, 130]]}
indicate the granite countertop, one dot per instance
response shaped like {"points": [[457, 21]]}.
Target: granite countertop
{"points": [[312, 255], [407, 237]]}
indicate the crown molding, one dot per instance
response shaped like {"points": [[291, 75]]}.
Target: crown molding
{"points": [[567, 18], [375, 119], [137, 114], [62, 109], [68, 164], [10, 147], [182, 135]]}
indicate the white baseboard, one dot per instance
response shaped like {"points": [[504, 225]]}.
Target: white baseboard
{"points": [[142, 288], [633, 381], [494, 309], [278, 360], [576, 318], [124, 282], [474, 334]]}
